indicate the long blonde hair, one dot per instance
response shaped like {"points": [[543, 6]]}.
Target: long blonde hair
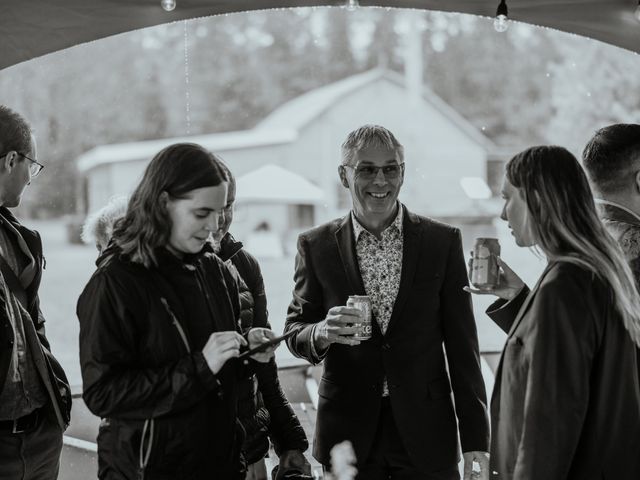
{"points": [[567, 226]]}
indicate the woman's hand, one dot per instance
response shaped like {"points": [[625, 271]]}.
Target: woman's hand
{"points": [[508, 286], [220, 347], [257, 336]]}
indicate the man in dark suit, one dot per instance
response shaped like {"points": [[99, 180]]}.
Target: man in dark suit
{"points": [[390, 396], [612, 161], [35, 399]]}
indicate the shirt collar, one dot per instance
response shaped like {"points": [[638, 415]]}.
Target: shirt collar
{"points": [[358, 228], [600, 201]]}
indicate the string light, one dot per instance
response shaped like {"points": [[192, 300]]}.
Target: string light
{"points": [[637, 12], [501, 22], [352, 5], [168, 5]]}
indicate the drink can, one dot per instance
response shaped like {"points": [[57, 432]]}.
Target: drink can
{"points": [[485, 272], [362, 303]]}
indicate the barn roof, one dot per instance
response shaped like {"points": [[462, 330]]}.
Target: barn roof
{"points": [[302, 110], [281, 126]]}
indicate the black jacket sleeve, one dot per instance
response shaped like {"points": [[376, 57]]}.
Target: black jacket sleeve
{"points": [[285, 430], [463, 357]]}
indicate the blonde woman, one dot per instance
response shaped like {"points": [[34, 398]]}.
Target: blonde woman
{"points": [[566, 401]]}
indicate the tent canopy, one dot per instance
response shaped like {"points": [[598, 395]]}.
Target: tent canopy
{"points": [[31, 28], [274, 184]]}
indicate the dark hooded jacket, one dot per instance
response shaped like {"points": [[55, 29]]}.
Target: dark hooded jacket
{"points": [[263, 407], [142, 330]]}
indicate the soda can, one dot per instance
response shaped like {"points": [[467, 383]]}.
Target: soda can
{"points": [[485, 272], [362, 303]]}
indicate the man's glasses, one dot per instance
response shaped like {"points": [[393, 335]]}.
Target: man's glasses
{"points": [[370, 172], [34, 168]]}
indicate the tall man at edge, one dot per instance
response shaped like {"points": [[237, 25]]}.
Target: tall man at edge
{"points": [[35, 399], [612, 162]]}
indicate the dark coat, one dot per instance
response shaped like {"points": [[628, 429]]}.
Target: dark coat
{"points": [[566, 401], [263, 407], [625, 228], [56, 373], [141, 337], [431, 310]]}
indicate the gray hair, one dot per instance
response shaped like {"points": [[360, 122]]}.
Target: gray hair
{"points": [[369, 136], [98, 227]]}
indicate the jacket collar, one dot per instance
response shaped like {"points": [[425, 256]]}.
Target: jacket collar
{"points": [[617, 213]]}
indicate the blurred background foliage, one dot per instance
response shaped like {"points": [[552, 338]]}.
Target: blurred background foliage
{"points": [[526, 86]]}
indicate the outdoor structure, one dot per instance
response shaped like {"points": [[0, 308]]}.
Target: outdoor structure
{"points": [[446, 157], [57, 25]]}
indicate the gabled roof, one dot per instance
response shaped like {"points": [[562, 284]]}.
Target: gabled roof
{"points": [[302, 110], [281, 126], [216, 142]]}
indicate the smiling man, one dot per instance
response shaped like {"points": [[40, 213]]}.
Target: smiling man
{"points": [[390, 395]]}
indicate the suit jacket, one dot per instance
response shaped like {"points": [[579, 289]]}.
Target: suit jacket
{"points": [[431, 309], [566, 400], [61, 391], [625, 228]]}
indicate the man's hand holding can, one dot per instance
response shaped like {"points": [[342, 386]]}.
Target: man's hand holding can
{"points": [[339, 326]]}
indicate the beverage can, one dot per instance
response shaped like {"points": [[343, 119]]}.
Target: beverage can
{"points": [[485, 272], [362, 303]]}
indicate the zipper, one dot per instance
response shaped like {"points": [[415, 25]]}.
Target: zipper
{"points": [[144, 454], [176, 323]]}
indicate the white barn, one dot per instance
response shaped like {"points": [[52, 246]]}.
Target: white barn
{"points": [[446, 157]]}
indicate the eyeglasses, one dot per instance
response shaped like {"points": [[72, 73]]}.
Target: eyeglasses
{"points": [[370, 172], [34, 168]]}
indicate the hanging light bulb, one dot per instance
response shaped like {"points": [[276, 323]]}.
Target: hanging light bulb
{"points": [[637, 12], [168, 5], [352, 5], [501, 22]]}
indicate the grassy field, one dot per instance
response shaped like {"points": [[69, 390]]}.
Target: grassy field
{"points": [[70, 266]]}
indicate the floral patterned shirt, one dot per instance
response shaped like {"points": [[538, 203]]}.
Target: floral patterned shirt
{"points": [[380, 263]]}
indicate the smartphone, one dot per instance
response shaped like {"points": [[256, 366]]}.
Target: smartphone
{"points": [[263, 346]]}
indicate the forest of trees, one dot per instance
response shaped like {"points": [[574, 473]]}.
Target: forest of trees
{"points": [[528, 85]]}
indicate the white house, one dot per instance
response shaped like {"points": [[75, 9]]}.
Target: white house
{"points": [[446, 157]]}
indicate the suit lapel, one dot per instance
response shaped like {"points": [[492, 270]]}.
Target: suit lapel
{"points": [[412, 236], [346, 247]]}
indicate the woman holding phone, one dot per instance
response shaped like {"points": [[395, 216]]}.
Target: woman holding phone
{"points": [[566, 401], [159, 331]]}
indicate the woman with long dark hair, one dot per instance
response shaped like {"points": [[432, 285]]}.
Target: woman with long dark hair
{"points": [[159, 332], [566, 401]]}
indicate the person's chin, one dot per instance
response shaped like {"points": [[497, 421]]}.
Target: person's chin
{"points": [[382, 205], [12, 203]]}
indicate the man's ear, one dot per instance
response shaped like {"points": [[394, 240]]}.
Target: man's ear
{"points": [[343, 176], [637, 183], [9, 161]]}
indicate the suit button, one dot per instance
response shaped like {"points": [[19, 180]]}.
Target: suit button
{"points": [[386, 346], [10, 342]]}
